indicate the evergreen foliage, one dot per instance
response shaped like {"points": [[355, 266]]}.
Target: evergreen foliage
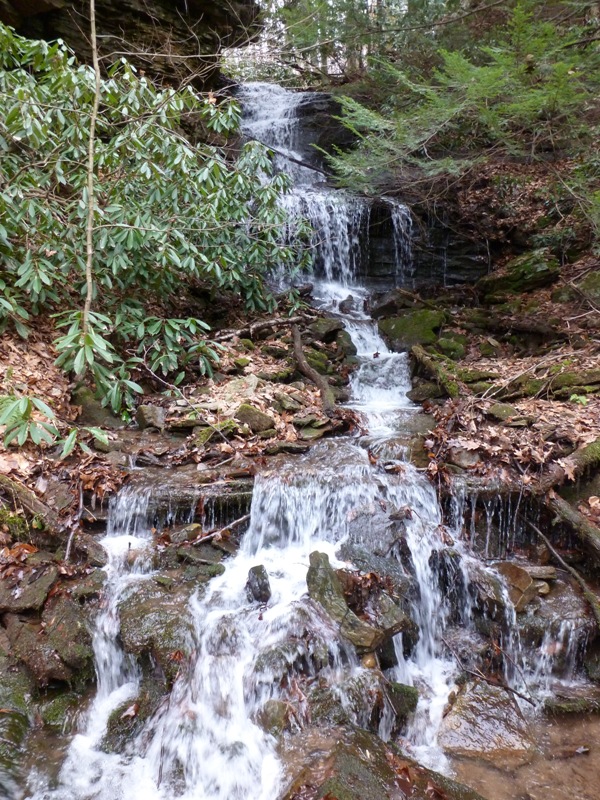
{"points": [[530, 94], [167, 213]]}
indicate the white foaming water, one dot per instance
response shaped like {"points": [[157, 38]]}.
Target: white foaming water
{"points": [[205, 743]]}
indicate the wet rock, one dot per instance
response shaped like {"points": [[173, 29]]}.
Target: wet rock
{"points": [[200, 554], [486, 723], [325, 588], [32, 648], [274, 717], [150, 417], [185, 533], [353, 764], [287, 447], [486, 589], [28, 593], [326, 329], [573, 700], [521, 588], [413, 327], [389, 617], [258, 587], [218, 431], [541, 573], [561, 621], [127, 720], [387, 568], [358, 700], [311, 434], [59, 710], [92, 551], [525, 273], [66, 629], [254, 418], [155, 622], [403, 699]]}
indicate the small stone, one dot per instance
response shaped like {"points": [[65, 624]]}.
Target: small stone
{"points": [[521, 588], [258, 587], [502, 411], [185, 534], [241, 363], [311, 434], [287, 403], [542, 587], [150, 417], [254, 418]]}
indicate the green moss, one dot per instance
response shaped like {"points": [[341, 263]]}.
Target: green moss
{"points": [[203, 435], [318, 360], [411, 328], [247, 344], [525, 273], [14, 524], [403, 698], [240, 363]]}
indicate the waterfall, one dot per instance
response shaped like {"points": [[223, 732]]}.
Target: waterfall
{"points": [[205, 742]]}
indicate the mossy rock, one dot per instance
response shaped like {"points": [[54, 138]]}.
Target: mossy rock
{"points": [[425, 390], [345, 344], [254, 418], [452, 348], [92, 410], [326, 329], [414, 327], [403, 698], [14, 524], [318, 360], [526, 273], [590, 286], [242, 362], [58, 711], [202, 436]]}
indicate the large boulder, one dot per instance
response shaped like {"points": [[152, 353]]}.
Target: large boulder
{"points": [[352, 764], [486, 723], [525, 273], [412, 327]]}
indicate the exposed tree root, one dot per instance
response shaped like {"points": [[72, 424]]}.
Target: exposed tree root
{"points": [[327, 394], [585, 530]]}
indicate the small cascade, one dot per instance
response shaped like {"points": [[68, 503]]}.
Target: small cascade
{"points": [[117, 674], [207, 740]]}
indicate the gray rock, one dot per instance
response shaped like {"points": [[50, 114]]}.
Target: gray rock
{"points": [[326, 329], [258, 587], [150, 417], [30, 592]]}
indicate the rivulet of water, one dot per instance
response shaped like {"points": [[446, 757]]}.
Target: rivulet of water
{"points": [[206, 741]]}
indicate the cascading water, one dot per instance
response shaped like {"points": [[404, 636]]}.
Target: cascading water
{"points": [[205, 742]]}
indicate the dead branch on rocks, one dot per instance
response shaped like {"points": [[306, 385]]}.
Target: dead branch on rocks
{"points": [[218, 534], [586, 531], [250, 330], [587, 592], [327, 395]]}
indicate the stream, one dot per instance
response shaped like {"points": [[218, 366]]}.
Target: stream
{"points": [[205, 742]]}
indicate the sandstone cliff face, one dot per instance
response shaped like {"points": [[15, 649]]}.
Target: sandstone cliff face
{"points": [[174, 40]]}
